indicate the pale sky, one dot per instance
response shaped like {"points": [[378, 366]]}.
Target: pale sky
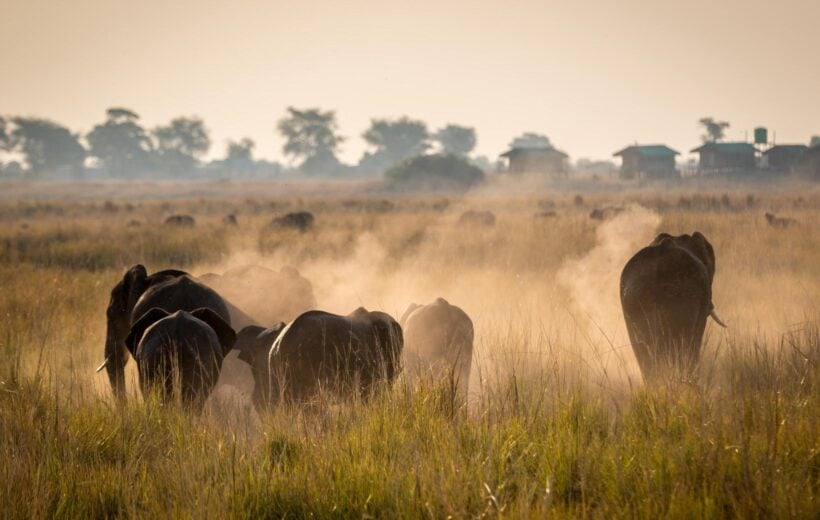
{"points": [[592, 75]]}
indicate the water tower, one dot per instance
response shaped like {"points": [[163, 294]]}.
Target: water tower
{"points": [[761, 136]]}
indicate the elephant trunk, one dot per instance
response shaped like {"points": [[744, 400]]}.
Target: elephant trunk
{"points": [[114, 364], [715, 317]]}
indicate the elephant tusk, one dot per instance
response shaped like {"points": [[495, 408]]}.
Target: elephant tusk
{"points": [[717, 319], [99, 368]]}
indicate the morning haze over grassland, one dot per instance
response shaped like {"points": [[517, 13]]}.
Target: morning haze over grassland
{"points": [[402, 260]]}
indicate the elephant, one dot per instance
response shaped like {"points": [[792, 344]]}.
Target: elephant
{"points": [[137, 293], [319, 350], [270, 296], [438, 342], [181, 353], [180, 220], [666, 296], [300, 220]]}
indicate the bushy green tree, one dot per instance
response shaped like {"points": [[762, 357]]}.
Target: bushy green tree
{"points": [[435, 171], [455, 139], [311, 136], [181, 143], [121, 144], [393, 141], [531, 140], [48, 147]]}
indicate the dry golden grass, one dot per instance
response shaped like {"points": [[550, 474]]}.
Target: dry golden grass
{"points": [[557, 422]]}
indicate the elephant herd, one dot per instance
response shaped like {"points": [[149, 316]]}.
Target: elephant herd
{"points": [[180, 330]]}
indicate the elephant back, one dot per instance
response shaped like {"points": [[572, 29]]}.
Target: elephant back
{"points": [[181, 293]]}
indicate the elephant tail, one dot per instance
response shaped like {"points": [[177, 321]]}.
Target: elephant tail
{"points": [[717, 319]]}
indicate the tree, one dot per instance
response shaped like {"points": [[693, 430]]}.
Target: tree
{"points": [[181, 143], [815, 141], [715, 130], [312, 136], [239, 156], [47, 146], [121, 144], [4, 136], [531, 140], [455, 139], [399, 139]]}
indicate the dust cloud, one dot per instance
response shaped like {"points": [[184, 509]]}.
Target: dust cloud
{"points": [[593, 281]]}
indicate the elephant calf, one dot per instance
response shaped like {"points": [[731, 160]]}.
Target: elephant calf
{"points": [[321, 351], [180, 354], [666, 295], [438, 342]]}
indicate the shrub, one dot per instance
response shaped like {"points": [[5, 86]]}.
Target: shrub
{"points": [[435, 172]]}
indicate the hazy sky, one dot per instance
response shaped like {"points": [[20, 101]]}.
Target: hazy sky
{"points": [[592, 75]]}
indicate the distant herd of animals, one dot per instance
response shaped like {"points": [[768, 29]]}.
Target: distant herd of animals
{"points": [[303, 221], [181, 330]]}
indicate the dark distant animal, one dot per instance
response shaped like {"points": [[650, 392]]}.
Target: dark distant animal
{"points": [[666, 295], [180, 354], [180, 220], [779, 222], [230, 220], [546, 214], [440, 205], [300, 220], [137, 293], [269, 296], [321, 351], [438, 343], [605, 213], [477, 218]]}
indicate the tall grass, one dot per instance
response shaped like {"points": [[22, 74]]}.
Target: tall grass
{"points": [[556, 423]]}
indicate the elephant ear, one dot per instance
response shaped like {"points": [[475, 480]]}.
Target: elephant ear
{"points": [[660, 238], [134, 284], [705, 252], [141, 325], [410, 310], [226, 335]]}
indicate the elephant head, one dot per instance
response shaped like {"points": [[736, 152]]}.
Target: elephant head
{"points": [[698, 246], [253, 344], [124, 297]]}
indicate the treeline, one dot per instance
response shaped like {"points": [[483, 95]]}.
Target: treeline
{"points": [[121, 147]]}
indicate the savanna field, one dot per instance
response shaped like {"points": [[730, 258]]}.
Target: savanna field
{"points": [[557, 422]]}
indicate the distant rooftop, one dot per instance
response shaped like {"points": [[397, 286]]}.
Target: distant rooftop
{"points": [[542, 149], [730, 148], [796, 148], [649, 150]]}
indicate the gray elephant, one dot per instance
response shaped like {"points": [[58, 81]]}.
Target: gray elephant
{"points": [[438, 343], [180, 354], [137, 293], [320, 350], [666, 295]]}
